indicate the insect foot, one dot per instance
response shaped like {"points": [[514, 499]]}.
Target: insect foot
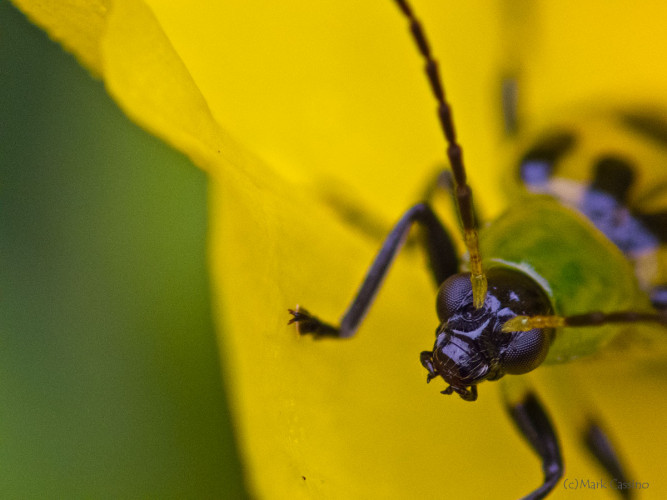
{"points": [[306, 323]]}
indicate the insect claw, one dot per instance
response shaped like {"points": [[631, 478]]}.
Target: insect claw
{"points": [[306, 323]]}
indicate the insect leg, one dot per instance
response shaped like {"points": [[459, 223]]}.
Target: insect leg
{"points": [[443, 182], [602, 449], [533, 423], [509, 100], [442, 260]]}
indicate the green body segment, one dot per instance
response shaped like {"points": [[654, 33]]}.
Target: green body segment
{"points": [[580, 269]]}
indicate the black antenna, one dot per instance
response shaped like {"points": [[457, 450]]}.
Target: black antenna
{"points": [[597, 318], [455, 154]]}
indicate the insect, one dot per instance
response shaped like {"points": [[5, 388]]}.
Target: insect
{"points": [[589, 265]]}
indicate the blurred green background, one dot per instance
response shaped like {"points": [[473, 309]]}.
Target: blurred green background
{"points": [[110, 381]]}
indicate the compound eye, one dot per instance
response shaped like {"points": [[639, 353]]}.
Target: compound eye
{"points": [[526, 351], [452, 294]]}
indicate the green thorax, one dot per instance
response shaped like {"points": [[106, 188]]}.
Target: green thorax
{"points": [[578, 266]]}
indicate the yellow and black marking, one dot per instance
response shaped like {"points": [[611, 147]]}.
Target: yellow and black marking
{"points": [[612, 169]]}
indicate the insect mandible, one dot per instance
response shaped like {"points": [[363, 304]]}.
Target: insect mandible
{"points": [[505, 312]]}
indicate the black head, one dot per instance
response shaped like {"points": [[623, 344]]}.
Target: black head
{"points": [[471, 347]]}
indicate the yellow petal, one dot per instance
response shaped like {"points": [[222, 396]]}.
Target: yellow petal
{"points": [[77, 24], [154, 87], [348, 419]]}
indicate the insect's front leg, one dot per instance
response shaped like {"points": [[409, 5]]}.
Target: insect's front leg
{"points": [[442, 261], [530, 417]]}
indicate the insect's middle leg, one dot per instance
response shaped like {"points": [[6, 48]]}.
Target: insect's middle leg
{"points": [[601, 447], [530, 417], [442, 261], [442, 182]]}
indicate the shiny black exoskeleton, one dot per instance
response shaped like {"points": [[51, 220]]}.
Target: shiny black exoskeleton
{"points": [[471, 347]]}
